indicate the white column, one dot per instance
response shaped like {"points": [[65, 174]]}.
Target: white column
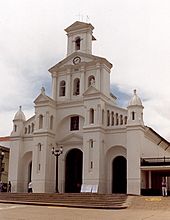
{"points": [[54, 87], [68, 85], [98, 86], [82, 82]]}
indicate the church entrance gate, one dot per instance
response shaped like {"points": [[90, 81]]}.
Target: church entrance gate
{"points": [[73, 171]]}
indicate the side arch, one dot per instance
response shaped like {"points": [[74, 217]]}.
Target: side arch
{"points": [[111, 154], [119, 175]]}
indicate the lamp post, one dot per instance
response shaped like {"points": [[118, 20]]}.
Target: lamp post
{"points": [[56, 153], [1, 159]]}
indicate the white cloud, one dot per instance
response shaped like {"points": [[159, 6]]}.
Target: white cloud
{"points": [[132, 34]]}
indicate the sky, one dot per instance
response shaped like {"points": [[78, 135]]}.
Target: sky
{"points": [[134, 35]]}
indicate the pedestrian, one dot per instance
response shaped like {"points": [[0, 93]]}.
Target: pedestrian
{"points": [[30, 187], [9, 186], [164, 187]]}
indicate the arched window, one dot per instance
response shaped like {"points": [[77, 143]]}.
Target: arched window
{"points": [[25, 130], [112, 115], [102, 116], [15, 128], [74, 123], [121, 119], [117, 119], [133, 115], [29, 129], [62, 88], [91, 154], [40, 121], [91, 116], [125, 120], [108, 117], [51, 122], [39, 147], [77, 43], [32, 127], [91, 80], [76, 86]]}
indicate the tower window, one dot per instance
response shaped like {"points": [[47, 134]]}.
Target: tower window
{"points": [[51, 122], [74, 125], [108, 117], [133, 115], [15, 128], [32, 129], [77, 43], [62, 88], [39, 147], [91, 143], [76, 86], [40, 121], [91, 116]]}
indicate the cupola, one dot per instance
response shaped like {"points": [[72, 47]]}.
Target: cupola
{"points": [[135, 101], [19, 116], [135, 111]]}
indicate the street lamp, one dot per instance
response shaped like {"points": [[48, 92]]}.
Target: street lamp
{"points": [[56, 153], [1, 159]]}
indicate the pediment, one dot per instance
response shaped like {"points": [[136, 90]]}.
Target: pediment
{"points": [[72, 139], [78, 25], [83, 58], [91, 91], [42, 98]]}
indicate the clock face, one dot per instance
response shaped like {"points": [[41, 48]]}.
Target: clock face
{"points": [[76, 60]]}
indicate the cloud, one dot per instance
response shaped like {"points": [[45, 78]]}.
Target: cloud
{"points": [[131, 34]]}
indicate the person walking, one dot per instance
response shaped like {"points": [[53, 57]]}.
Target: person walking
{"points": [[30, 187], [164, 186]]}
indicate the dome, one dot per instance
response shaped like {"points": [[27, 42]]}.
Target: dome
{"points": [[135, 100], [19, 115]]}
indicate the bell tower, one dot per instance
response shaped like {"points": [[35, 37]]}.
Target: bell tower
{"points": [[79, 38]]}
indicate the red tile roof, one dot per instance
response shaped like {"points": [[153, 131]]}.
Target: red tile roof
{"points": [[4, 138]]}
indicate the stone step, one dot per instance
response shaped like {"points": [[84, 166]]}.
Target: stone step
{"points": [[69, 199]]}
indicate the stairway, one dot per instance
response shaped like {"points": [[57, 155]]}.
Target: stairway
{"points": [[83, 200]]}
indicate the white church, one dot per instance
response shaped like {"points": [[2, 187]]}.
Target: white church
{"points": [[105, 148]]}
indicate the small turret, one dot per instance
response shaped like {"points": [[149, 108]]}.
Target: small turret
{"points": [[135, 111], [18, 123], [19, 116]]}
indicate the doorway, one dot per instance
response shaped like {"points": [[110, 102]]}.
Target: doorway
{"points": [[73, 172], [119, 175]]}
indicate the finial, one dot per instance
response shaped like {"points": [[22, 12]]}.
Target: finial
{"points": [[134, 91], [43, 90], [20, 108]]}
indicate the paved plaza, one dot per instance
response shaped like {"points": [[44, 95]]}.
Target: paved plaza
{"points": [[150, 208]]}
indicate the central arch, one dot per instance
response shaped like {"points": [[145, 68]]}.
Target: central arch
{"points": [[73, 172], [119, 175]]}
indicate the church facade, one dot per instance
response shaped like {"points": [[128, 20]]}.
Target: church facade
{"points": [[105, 148]]}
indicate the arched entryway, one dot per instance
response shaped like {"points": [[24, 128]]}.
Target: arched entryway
{"points": [[29, 171], [73, 172], [119, 175]]}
